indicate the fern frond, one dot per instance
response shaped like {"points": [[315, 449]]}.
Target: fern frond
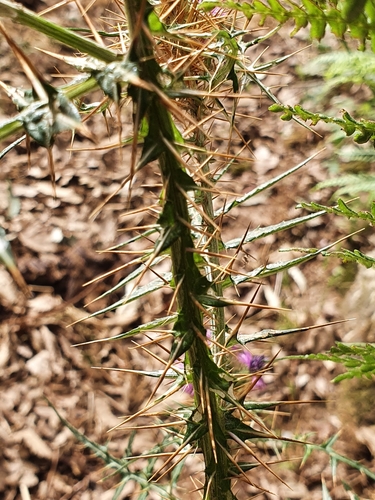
{"points": [[339, 68], [342, 209], [353, 17], [350, 184], [358, 155], [363, 130], [352, 256], [358, 359]]}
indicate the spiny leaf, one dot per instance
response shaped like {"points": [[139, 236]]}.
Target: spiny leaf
{"points": [[266, 185], [269, 333], [184, 336], [146, 327], [243, 431], [137, 293], [271, 269], [19, 14], [262, 232]]}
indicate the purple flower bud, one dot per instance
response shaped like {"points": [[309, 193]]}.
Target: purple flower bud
{"points": [[252, 362], [189, 389], [216, 11]]}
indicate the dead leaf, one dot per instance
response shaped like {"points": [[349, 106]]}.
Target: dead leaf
{"points": [[33, 442]]}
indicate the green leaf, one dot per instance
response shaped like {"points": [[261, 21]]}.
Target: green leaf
{"points": [[99, 450], [243, 431], [287, 115], [152, 325], [316, 18], [139, 291], [211, 301], [345, 209], [278, 11], [362, 137], [184, 336], [9, 128], [208, 6], [337, 25], [232, 75], [262, 187], [352, 9], [185, 181], [358, 359], [167, 237], [167, 218], [219, 380], [196, 428], [340, 209], [276, 108], [155, 25], [300, 17], [19, 14]]}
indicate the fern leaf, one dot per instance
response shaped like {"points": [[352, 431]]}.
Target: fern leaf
{"points": [[358, 359], [350, 184], [363, 130], [353, 17], [339, 68], [342, 209]]}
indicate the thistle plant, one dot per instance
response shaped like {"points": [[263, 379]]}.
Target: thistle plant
{"points": [[183, 68]]}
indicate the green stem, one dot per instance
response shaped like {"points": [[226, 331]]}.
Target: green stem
{"points": [[10, 127], [19, 14], [207, 205], [185, 272], [73, 91]]}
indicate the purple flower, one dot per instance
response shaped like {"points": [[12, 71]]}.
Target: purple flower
{"points": [[189, 389], [216, 11], [252, 362]]}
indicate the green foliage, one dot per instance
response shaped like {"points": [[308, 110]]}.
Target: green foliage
{"points": [[124, 467], [358, 359], [352, 184], [352, 256], [340, 71], [340, 68], [336, 458], [354, 16], [342, 209], [363, 130]]}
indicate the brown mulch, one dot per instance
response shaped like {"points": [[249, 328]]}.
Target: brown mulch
{"points": [[58, 248]]}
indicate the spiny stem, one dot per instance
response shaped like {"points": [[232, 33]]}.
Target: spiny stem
{"points": [[206, 202], [185, 272]]}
